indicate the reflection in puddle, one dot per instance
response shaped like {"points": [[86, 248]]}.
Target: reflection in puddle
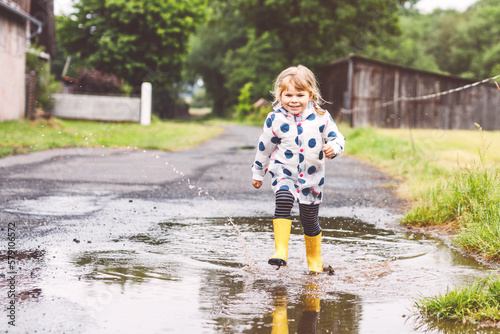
{"points": [[190, 275]]}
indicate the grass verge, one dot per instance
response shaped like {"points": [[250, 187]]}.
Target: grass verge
{"points": [[26, 136], [453, 178], [476, 303]]}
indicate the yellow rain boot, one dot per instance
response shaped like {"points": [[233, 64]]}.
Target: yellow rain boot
{"points": [[313, 252], [282, 229]]}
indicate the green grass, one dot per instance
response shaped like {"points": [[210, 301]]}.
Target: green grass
{"points": [[395, 154], [474, 303], [451, 177], [26, 136]]}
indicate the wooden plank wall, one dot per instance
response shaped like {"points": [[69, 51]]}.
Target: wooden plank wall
{"points": [[374, 83]]}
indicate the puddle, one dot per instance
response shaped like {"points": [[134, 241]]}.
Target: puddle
{"points": [[142, 273]]}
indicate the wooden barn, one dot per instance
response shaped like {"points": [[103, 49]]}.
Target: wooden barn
{"points": [[361, 91]]}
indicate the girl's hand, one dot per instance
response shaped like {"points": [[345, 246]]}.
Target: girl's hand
{"points": [[256, 184], [328, 150]]}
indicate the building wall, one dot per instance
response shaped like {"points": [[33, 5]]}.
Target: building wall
{"points": [[12, 67]]}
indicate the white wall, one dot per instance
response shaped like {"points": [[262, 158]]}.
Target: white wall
{"points": [[12, 68], [97, 108]]}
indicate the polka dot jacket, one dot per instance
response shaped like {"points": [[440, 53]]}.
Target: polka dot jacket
{"points": [[291, 149]]}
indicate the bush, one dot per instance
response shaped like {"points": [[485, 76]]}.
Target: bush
{"points": [[96, 82], [246, 111], [46, 83]]}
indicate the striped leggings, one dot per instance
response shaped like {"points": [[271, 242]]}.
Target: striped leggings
{"points": [[308, 212]]}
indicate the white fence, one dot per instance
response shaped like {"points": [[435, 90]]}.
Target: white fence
{"points": [[105, 108]]}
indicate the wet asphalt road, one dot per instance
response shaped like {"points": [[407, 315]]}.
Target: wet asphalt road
{"points": [[131, 240], [221, 167]]}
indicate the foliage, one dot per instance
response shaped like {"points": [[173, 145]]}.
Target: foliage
{"points": [[46, 84], [246, 111], [314, 32], [223, 31], [411, 48], [26, 136], [474, 303], [253, 40], [96, 82], [135, 40], [200, 99], [244, 107], [257, 63], [463, 44]]}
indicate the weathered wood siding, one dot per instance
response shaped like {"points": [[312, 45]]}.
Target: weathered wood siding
{"points": [[371, 83]]}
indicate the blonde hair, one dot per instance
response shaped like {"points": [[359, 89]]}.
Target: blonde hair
{"points": [[303, 79]]}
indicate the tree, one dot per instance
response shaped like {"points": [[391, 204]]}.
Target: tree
{"points": [[462, 44], [133, 39], [223, 31], [412, 47], [476, 45], [253, 40], [315, 32]]}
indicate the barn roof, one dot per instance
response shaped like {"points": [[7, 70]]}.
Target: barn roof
{"points": [[354, 57]]}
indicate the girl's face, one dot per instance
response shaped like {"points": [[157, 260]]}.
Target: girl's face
{"points": [[295, 101]]}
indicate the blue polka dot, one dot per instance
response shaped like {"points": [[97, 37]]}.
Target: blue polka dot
{"points": [[302, 181], [320, 196], [275, 140], [312, 142], [269, 122], [300, 129], [261, 146], [306, 191], [277, 162], [322, 128], [311, 170], [258, 163], [297, 140], [275, 183], [320, 155], [288, 154], [301, 158], [332, 134], [285, 127], [322, 181], [284, 188], [272, 174], [311, 117], [287, 172], [273, 116]]}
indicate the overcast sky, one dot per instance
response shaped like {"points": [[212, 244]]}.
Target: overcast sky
{"points": [[425, 6]]}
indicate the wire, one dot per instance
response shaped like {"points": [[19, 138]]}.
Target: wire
{"points": [[424, 97]]}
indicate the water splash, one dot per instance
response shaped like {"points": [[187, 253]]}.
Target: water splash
{"points": [[249, 261]]}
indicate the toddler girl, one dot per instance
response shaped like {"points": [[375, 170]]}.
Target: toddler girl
{"points": [[298, 137]]}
